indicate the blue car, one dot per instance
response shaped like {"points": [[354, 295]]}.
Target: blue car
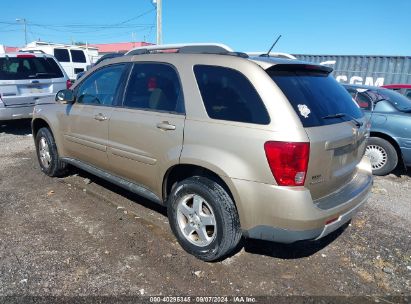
{"points": [[390, 116]]}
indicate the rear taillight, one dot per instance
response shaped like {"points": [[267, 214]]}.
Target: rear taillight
{"points": [[68, 83], [288, 161]]}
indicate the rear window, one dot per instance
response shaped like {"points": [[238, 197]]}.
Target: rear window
{"points": [[13, 68], [228, 95], [315, 94], [78, 56], [62, 55], [400, 102]]}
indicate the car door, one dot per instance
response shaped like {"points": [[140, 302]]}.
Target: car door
{"points": [[85, 123], [146, 133]]}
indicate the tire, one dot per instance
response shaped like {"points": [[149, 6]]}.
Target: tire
{"points": [[47, 155], [222, 235], [382, 154]]}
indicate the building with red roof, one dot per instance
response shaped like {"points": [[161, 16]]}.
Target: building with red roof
{"points": [[120, 47]]}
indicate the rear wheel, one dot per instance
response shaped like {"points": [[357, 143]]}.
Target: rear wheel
{"points": [[382, 155], [204, 218], [49, 160]]}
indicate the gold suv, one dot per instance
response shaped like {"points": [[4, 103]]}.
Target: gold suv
{"points": [[234, 146]]}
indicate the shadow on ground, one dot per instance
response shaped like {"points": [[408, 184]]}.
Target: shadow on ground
{"points": [[401, 171], [120, 191], [16, 127], [296, 250]]}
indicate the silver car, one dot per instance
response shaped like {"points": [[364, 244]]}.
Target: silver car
{"points": [[25, 78]]}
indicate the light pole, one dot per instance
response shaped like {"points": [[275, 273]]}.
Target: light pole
{"points": [[159, 9], [24, 21]]}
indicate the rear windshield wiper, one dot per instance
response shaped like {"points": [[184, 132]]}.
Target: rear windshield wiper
{"points": [[340, 115]]}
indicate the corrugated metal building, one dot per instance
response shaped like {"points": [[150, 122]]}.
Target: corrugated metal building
{"points": [[368, 70]]}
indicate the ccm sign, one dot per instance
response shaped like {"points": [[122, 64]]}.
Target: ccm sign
{"points": [[370, 81]]}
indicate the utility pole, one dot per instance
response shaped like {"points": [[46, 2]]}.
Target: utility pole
{"points": [[159, 21], [24, 21]]}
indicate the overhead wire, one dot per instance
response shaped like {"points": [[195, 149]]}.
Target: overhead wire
{"points": [[80, 29]]}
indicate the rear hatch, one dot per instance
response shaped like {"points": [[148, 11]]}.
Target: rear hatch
{"points": [[25, 78], [334, 123]]}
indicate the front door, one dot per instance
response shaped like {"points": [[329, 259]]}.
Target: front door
{"points": [[146, 133], [85, 123]]}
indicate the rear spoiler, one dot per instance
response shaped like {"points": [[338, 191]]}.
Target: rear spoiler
{"points": [[300, 68]]}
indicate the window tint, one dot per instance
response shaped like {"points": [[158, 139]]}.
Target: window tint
{"points": [[13, 68], [228, 95], [77, 56], [315, 95], [100, 87], [154, 86], [62, 55]]}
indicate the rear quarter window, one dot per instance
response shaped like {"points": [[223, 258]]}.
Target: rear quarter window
{"points": [[315, 95], [228, 95], [62, 55], [78, 56]]}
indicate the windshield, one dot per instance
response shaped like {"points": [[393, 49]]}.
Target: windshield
{"points": [[316, 97], [400, 102]]}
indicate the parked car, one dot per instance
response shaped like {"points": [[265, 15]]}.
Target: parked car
{"points": [[102, 58], [404, 89], [24, 79], [74, 59], [233, 146], [390, 139]]}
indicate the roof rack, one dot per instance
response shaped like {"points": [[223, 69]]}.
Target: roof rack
{"points": [[188, 48], [32, 51]]}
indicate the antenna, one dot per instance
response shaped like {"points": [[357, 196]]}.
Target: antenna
{"points": [[269, 51]]}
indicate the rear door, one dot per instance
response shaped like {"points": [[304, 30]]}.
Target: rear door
{"points": [[25, 78], [146, 134], [337, 142]]}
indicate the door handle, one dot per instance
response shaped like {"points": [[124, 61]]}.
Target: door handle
{"points": [[166, 126], [100, 117]]}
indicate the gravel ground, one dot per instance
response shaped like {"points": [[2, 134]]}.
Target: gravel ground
{"points": [[79, 235]]}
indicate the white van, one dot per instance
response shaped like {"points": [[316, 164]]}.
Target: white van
{"points": [[74, 59]]}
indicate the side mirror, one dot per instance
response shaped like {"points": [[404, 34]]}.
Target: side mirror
{"points": [[65, 96]]}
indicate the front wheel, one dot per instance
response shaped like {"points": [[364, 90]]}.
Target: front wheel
{"points": [[382, 155], [49, 160], [204, 218]]}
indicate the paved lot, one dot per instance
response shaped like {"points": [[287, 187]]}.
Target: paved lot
{"points": [[82, 236]]}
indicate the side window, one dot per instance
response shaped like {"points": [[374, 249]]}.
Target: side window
{"points": [[62, 55], [228, 95], [363, 101], [100, 87], [78, 56], [408, 93], [154, 86]]}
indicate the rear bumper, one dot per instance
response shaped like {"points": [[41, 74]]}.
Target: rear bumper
{"points": [[286, 214], [16, 112]]}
